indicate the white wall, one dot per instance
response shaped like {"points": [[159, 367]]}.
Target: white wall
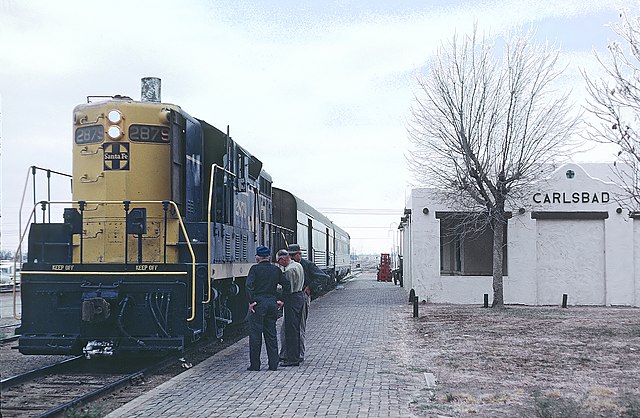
{"points": [[594, 261]]}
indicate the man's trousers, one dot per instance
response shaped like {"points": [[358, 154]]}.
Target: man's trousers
{"points": [[293, 309], [263, 321]]}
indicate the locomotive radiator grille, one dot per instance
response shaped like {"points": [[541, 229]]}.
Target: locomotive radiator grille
{"points": [[238, 248], [227, 247], [245, 242]]}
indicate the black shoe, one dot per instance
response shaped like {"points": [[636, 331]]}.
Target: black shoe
{"points": [[253, 369], [289, 363], [273, 369]]}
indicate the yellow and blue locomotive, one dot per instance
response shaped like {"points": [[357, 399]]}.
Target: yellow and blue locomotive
{"points": [[155, 246]]}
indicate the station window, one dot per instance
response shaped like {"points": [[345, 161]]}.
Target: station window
{"points": [[466, 249]]}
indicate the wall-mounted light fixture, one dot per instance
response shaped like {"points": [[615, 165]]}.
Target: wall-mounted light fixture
{"points": [[521, 211], [619, 211], [425, 211]]}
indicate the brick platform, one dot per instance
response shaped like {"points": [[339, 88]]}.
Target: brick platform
{"points": [[351, 367]]}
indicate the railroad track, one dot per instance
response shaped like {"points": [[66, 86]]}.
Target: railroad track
{"points": [[8, 339], [50, 390], [25, 377], [6, 288], [75, 382]]}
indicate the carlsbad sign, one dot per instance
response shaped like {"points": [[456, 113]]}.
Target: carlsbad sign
{"points": [[571, 197]]}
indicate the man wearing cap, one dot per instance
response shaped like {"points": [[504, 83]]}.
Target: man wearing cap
{"points": [[262, 285], [313, 280], [294, 304]]}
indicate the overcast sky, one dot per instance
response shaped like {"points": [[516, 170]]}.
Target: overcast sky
{"points": [[329, 81]]}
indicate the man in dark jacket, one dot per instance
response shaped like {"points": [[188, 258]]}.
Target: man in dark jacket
{"points": [[314, 279], [262, 285]]}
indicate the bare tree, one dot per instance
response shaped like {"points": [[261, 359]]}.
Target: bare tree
{"points": [[485, 124], [616, 102]]}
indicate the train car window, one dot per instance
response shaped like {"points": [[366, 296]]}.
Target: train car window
{"points": [[90, 134], [149, 133]]}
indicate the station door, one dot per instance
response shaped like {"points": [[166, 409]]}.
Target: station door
{"points": [[570, 259]]}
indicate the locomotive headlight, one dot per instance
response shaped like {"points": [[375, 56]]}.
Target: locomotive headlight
{"points": [[114, 132], [114, 116]]}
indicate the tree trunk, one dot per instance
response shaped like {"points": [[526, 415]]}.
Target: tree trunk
{"points": [[498, 260]]}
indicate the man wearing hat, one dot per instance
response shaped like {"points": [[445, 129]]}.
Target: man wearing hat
{"points": [[313, 280], [294, 304], [262, 285]]}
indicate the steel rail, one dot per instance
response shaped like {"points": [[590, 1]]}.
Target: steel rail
{"points": [[94, 394], [9, 339], [117, 384], [113, 386], [25, 377]]}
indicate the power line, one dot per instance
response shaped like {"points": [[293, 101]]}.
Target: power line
{"points": [[362, 211], [373, 238], [367, 227]]}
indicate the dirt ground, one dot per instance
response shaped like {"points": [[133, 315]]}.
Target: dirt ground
{"points": [[522, 361]]}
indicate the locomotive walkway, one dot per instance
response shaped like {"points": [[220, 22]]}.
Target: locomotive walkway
{"points": [[355, 366]]}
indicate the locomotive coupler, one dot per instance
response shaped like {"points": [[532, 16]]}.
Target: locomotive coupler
{"points": [[95, 310], [98, 348], [97, 302]]}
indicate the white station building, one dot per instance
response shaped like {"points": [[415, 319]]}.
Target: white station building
{"points": [[574, 238]]}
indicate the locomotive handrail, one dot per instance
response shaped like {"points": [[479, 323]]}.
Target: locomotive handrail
{"points": [[211, 180], [15, 259], [32, 171], [279, 226], [119, 202]]}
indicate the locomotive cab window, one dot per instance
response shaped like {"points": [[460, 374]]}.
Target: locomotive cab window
{"points": [[149, 133], [90, 134]]}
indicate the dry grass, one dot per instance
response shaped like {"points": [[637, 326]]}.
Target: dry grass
{"points": [[524, 361]]}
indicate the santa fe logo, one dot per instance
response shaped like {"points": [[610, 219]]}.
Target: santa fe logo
{"points": [[116, 156]]}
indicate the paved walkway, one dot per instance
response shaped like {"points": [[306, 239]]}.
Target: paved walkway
{"points": [[350, 370]]}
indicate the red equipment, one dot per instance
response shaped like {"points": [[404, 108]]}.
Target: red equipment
{"points": [[384, 270]]}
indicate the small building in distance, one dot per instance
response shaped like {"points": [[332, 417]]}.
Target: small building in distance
{"points": [[573, 238]]}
